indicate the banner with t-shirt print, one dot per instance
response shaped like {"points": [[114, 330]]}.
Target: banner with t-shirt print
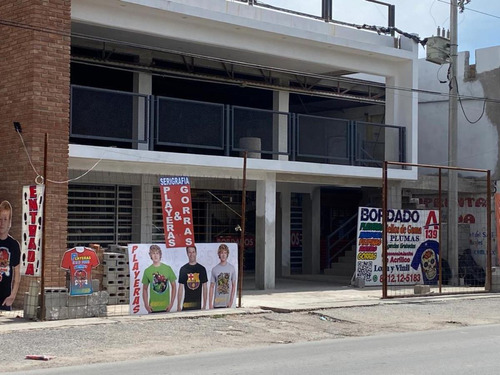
{"points": [[412, 246], [80, 261], [176, 279]]}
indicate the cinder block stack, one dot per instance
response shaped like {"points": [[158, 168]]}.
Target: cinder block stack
{"points": [[98, 272], [60, 305], [116, 278]]}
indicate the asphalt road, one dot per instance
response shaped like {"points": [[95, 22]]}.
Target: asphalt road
{"points": [[468, 350], [152, 338]]}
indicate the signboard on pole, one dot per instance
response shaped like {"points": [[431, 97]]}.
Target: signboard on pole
{"points": [[412, 246], [177, 211], [31, 244]]}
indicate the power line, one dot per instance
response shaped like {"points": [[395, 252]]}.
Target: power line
{"points": [[378, 29], [473, 10]]}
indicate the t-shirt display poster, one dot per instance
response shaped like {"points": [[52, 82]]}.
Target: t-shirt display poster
{"points": [[156, 270], [80, 261]]}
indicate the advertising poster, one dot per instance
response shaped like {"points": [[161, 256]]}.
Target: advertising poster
{"points": [[177, 212], [174, 279], [412, 246], [472, 212], [31, 244], [80, 261]]}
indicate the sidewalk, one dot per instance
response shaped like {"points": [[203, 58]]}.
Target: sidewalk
{"points": [[308, 292], [301, 293]]}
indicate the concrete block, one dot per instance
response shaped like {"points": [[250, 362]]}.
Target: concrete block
{"points": [[77, 301], [55, 290], [495, 288], [118, 300], [117, 289], [56, 297], [421, 289], [113, 278], [114, 260], [54, 313], [98, 310], [118, 249], [30, 306], [78, 312], [358, 282], [95, 285], [34, 287], [109, 263], [98, 298]]}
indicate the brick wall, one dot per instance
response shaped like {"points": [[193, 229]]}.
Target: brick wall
{"points": [[34, 90]]}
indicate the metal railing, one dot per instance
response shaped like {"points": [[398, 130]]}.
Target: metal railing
{"points": [[322, 10], [341, 239], [110, 116], [122, 119], [189, 123]]}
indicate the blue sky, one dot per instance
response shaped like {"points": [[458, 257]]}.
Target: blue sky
{"points": [[478, 25]]}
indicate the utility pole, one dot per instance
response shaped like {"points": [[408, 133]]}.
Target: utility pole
{"points": [[452, 147]]}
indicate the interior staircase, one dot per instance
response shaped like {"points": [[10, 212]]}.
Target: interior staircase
{"points": [[344, 265]]}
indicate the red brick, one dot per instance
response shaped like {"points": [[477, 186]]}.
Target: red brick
{"points": [[34, 90]]}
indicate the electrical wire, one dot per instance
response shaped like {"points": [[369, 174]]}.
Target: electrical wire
{"points": [[221, 201], [378, 29], [472, 10], [463, 109], [39, 177]]}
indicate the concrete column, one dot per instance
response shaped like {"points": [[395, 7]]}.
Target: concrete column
{"points": [[285, 211], [143, 84], [265, 232], [394, 199], [142, 227], [311, 205], [281, 103]]}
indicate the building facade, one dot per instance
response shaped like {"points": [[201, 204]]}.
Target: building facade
{"points": [[477, 127], [130, 90]]}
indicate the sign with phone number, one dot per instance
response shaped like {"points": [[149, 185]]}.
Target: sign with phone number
{"points": [[412, 246]]}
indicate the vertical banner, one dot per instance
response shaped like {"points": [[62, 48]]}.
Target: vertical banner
{"points": [[31, 248], [497, 222], [177, 213], [412, 246]]}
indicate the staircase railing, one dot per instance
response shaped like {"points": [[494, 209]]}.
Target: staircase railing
{"points": [[342, 238]]}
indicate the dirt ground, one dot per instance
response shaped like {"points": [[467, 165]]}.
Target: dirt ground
{"points": [[126, 339]]}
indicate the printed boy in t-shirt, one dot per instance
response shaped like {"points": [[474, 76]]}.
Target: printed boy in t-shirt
{"points": [[158, 282], [192, 283], [10, 259], [222, 281]]}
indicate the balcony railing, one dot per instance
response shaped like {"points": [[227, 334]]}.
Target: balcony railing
{"points": [[122, 119]]}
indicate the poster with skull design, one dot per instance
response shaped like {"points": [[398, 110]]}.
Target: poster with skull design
{"points": [[412, 246]]}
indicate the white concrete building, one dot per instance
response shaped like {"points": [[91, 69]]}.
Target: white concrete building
{"points": [[181, 87], [478, 137]]}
